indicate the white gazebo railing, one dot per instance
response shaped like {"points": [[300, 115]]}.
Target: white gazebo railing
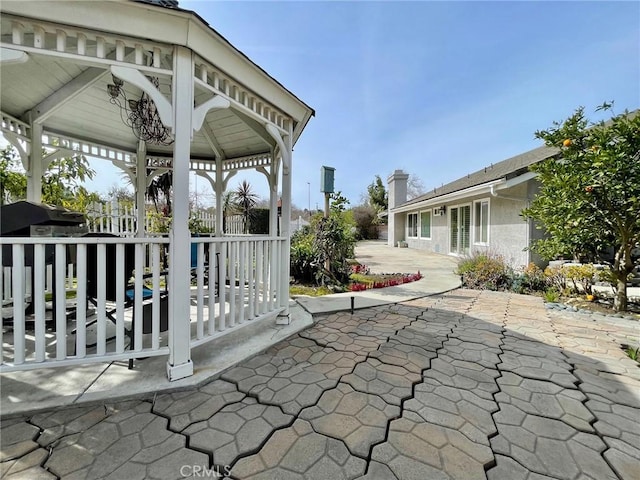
{"points": [[234, 282]]}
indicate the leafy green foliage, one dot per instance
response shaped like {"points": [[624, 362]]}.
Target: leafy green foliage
{"points": [[245, 200], [589, 197], [303, 258], [581, 277], [338, 203], [61, 182], [328, 241], [378, 197], [366, 219], [81, 200], [196, 225], [309, 291], [530, 279], [633, 353], [551, 295], [334, 242], [13, 183], [259, 221]]}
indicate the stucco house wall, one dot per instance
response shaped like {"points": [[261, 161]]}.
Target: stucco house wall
{"points": [[488, 204], [508, 231]]}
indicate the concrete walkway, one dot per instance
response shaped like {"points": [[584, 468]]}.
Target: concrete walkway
{"points": [[437, 271]]}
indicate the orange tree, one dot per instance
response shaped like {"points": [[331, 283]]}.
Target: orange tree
{"points": [[589, 198]]}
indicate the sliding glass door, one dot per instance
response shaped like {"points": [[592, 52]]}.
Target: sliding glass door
{"points": [[460, 229]]}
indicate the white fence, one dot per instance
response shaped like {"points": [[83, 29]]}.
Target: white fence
{"points": [[114, 217], [121, 219], [91, 313]]}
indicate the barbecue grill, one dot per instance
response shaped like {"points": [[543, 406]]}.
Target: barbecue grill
{"points": [[30, 219]]}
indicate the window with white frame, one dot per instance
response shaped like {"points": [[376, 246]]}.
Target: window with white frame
{"points": [[412, 225], [425, 224], [481, 221]]}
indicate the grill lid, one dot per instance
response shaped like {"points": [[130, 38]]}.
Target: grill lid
{"points": [[17, 218]]}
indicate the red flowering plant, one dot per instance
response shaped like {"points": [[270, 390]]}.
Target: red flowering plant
{"points": [[390, 280], [360, 269], [357, 287]]}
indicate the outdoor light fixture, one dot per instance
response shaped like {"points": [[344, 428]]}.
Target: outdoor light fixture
{"points": [[437, 212], [141, 115]]}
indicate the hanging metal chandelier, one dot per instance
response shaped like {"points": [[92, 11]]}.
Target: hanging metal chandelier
{"points": [[140, 115]]}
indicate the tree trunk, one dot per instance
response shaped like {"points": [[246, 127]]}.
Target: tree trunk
{"points": [[620, 300], [622, 267]]}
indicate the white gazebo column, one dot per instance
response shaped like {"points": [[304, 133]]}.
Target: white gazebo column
{"points": [[34, 170], [141, 188], [285, 148], [219, 189], [179, 364], [285, 231]]}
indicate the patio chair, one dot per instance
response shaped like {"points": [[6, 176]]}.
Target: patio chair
{"points": [[194, 265], [111, 285]]}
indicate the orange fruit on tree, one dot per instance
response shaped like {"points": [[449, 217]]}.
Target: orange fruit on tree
{"points": [[567, 142]]}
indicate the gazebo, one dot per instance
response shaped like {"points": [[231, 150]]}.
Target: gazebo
{"points": [[149, 87]]}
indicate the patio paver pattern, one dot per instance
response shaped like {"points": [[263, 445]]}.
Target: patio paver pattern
{"points": [[466, 385]]}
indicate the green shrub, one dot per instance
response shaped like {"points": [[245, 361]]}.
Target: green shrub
{"points": [[551, 295], [531, 279], [484, 271], [303, 256], [571, 279], [331, 240], [608, 276], [335, 241], [581, 277], [259, 221]]}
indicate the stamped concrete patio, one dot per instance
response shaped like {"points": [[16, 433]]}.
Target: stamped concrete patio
{"points": [[462, 385]]}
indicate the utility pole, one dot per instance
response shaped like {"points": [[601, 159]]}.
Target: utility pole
{"points": [[309, 199]]}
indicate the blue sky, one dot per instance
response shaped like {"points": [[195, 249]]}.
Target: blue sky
{"points": [[439, 89]]}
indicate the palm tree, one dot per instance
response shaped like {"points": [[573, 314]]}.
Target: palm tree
{"points": [[228, 208], [245, 199], [161, 186]]}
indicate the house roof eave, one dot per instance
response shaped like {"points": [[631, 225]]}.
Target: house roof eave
{"points": [[449, 197], [488, 187]]}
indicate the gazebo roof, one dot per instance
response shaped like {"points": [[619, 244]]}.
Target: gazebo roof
{"points": [[61, 76]]}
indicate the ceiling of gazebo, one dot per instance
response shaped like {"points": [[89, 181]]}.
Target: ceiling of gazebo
{"points": [[72, 97]]}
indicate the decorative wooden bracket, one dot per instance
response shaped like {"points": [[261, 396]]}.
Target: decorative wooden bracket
{"points": [[136, 78], [200, 112]]}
